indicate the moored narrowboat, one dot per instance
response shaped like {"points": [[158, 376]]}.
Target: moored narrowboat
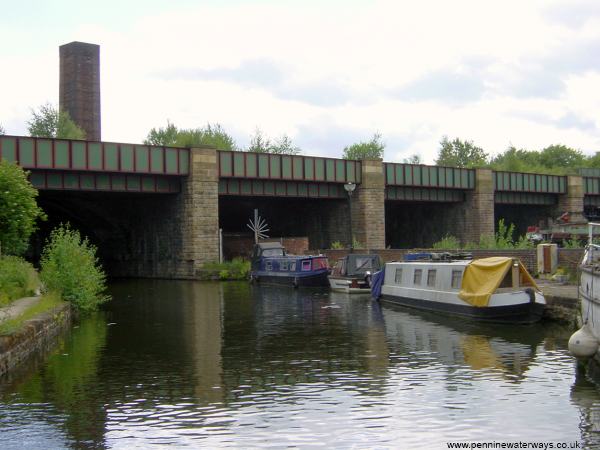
{"points": [[352, 273], [497, 289], [271, 264]]}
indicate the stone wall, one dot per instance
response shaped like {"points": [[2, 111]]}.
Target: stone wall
{"points": [[37, 338]]}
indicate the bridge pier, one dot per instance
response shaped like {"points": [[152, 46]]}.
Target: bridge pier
{"points": [[573, 200], [198, 213], [368, 206], [476, 213]]}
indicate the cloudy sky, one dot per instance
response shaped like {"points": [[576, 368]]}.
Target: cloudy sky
{"points": [[326, 73]]}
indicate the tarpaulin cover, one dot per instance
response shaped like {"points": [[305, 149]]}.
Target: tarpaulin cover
{"points": [[483, 276]]}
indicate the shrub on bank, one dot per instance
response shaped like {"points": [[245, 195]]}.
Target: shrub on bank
{"points": [[69, 266], [236, 269], [18, 279]]}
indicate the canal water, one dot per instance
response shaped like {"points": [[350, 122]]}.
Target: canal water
{"points": [[213, 365]]}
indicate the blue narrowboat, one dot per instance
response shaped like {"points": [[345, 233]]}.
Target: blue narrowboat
{"points": [[271, 264]]}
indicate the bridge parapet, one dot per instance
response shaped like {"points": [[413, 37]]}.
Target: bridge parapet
{"points": [[91, 156], [438, 177], [268, 166]]}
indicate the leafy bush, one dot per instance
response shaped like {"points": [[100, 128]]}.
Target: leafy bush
{"points": [[236, 269], [447, 242], [18, 279], [69, 266], [18, 209], [336, 245]]}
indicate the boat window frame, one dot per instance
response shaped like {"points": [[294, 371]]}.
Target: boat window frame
{"points": [[306, 265], [431, 277], [456, 279], [417, 279], [292, 266], [398, 279]]}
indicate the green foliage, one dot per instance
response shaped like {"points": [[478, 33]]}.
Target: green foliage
{"points": [[70, 267], [446, 243], [412, 159], [356, 243], [572, 243], [51, 123], [18, 209], [457, 153], [210, 135], [236, 269], [18, 279], [47, 303], [372, 149], [336, 245], [501, 240], [262, 144], [554, 159]]}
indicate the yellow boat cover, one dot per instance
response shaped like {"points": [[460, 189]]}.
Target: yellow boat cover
{"points": [[483, 276]]}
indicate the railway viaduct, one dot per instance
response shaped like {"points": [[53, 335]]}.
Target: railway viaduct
{"points": [[157, 211]]}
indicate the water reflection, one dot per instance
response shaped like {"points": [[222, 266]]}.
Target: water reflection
{"points": [[231, 364], [500, 351]]}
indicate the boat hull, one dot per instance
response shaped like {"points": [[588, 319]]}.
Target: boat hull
{"points": [[298, 280], [344, 284], [518, 313]]}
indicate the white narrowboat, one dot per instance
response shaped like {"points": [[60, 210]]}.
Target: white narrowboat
{"points": [[497, 289]]}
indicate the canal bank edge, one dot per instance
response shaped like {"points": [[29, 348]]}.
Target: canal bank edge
{"points": [[37, 336]]}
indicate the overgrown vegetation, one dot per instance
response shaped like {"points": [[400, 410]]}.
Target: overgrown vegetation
{"points": [[501, 240], [69, 266], [336, 245], [18, 279], [236, 269], [372, 149], [47, 303], [19, 211]]}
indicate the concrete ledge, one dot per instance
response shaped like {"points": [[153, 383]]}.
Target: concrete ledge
{"points": [[37, 336]]}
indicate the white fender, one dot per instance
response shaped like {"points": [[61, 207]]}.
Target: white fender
{"points": [[582, 343]]}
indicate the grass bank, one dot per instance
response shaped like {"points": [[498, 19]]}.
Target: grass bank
{"points": [[47, 303], [18, 279], [236, 269]]}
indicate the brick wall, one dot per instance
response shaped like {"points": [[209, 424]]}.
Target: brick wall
{"points": [[368, 206], [241, 244]]}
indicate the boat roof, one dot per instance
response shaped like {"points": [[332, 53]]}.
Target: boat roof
{"points": [[269, 245], [463, 262]]}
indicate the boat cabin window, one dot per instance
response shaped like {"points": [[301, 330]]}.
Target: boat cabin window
{"points": [[285, 265], [306, 265], [273, 252], [431, 273], [268, 265], [456, 279], [364, 263], [293, 266], [319, 263], [417, 276], [398, 277]]}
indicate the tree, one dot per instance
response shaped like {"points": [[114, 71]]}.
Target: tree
{"points": [[51, 123], [283, 145], [18, 209], [561, 156], [69, 266], [2, 130], [412, 159], [162, 136], [372, 149], [210, 135], [457, 153]]}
